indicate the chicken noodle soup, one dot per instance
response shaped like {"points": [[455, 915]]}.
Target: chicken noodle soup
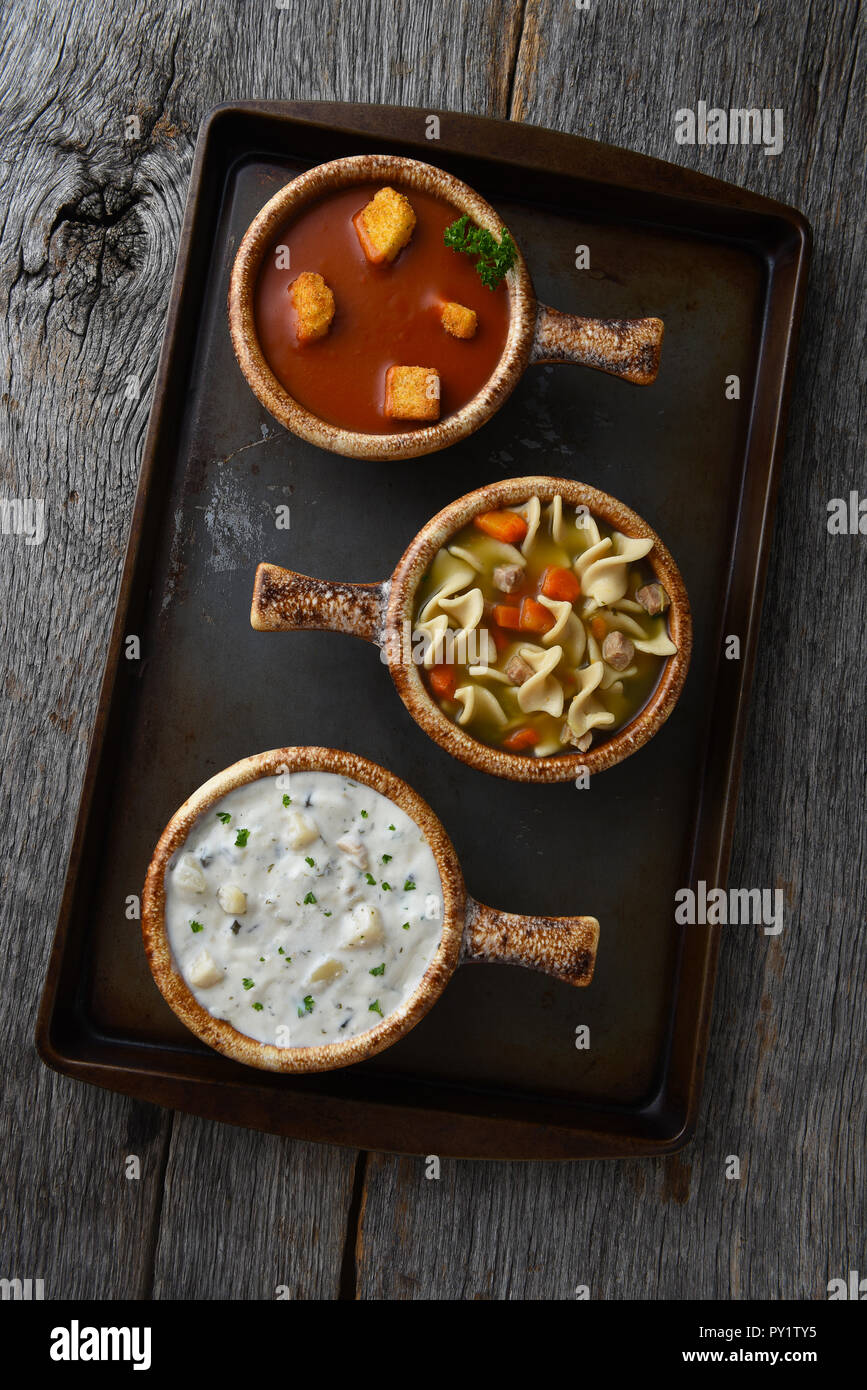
{"points": [[542, 630], [303, 909]]}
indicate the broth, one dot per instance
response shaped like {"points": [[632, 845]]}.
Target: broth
{"points": [[385, 315]]}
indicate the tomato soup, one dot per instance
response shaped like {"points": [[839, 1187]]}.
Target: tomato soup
{"points": [[385, 315]]}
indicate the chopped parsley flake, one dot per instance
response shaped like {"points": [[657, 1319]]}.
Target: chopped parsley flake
{"points": [[387, 858], [308, 1006], [370, 878], [241, 838], [224, 817], [378, 969], [287, 800], [392, 827], [258, 1007], [364, 815], [405, 926], [408, 886], [376, 1008], [309, 898], [196, 926], [386, 886], [248, 984], [326, 914], [280, 951], [310, 861]]}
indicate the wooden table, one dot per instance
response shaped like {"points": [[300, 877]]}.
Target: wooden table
{"points": [[90, 224]]}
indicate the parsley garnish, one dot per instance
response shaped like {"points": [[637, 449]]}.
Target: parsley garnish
{"points": [[287, 800], [387, 858], [308, 1006], [196, 926], [495, 258], [364, 815], [408, 886], [378, 969], [258, 1007], [375, 1008], [405, 926], [280, 951], [311, 862], [241, 838], [386, 886], [370, 878], [248, 984], [309, 898], [224, 817], [391, 827]]}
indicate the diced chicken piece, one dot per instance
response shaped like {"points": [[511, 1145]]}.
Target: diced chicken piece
{"points": [[189, 876], [653, 599], [412, 393], [352, 847], [617, 650], [327, 971], [232, 900], [300, 830], [314, 306], [204, 971], [518, 670], [385, 225], [582, 743], [365, 927], [458, 320], [508, 578]]}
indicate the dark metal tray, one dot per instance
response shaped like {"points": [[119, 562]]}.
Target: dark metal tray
{"points": [[493, 1070]]}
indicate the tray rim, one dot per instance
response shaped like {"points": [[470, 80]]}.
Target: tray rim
{"points": [[372, 1122]]}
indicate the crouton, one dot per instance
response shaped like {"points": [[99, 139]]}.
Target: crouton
{"points": [[314, 306], [385, 225], [412, 393], [458, 320]]}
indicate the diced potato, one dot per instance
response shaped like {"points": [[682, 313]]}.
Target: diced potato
{"points": [[301, 830], [189, 876], [412, 393], [365, 927], [458, 320], [314, 306], [232, 899], [385, 225], [354, 850], [327, 971], [204, 971]]}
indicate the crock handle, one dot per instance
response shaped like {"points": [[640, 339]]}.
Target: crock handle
{"points": [[561, 946], [284, 601], [628, 348]]}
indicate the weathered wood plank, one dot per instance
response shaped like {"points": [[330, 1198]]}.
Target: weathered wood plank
{"points": [[250, 1216], [90, 223], [785, 1087]]}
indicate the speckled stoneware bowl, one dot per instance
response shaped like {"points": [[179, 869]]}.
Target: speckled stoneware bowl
{"points": [[564, 947], [628, 348], [284, 601]]}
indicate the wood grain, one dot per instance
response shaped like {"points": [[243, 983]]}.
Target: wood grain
{"points": [[785, 1089]]}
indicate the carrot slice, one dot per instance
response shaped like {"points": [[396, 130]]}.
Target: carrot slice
{"points": [[561, 583], [442, 681], [507, 615], [535, 617], [503, 526], [521, 739], [599, 628]]}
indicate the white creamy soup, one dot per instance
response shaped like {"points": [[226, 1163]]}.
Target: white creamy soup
{"points": [[303, 908]]}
